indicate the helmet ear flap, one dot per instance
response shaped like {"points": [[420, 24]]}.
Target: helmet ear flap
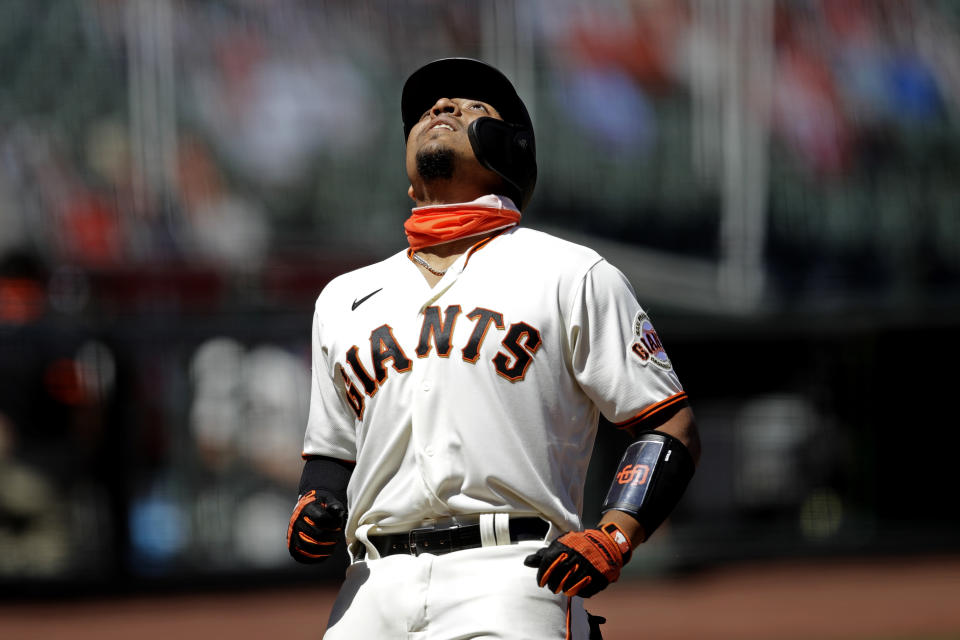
{"points": [[509, 150]]}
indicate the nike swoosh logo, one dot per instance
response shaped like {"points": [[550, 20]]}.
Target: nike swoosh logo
{"points": [[357, 303]]}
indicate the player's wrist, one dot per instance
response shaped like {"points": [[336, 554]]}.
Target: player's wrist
{"points": [[627, 524]]}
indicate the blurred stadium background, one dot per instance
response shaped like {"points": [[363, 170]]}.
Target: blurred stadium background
{"points": [[179, 179]]}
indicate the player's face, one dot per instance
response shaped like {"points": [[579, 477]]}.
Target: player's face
{"points": [[444, 127], [450, 110]]}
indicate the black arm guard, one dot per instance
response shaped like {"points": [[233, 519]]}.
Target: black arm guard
{"points": [[327, 474], [651, 479]]}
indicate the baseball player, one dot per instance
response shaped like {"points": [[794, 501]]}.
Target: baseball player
{"points": [[456, 393]]}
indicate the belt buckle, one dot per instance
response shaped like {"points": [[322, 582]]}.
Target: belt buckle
{"points": [[411, 539], [416, 551]]}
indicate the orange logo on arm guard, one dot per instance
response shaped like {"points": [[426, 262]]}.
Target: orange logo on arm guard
{"points": [[633, 474]]}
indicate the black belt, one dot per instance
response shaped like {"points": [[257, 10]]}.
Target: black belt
{"points": [[455, 538]]}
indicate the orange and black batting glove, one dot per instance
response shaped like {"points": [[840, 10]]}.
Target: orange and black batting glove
{"points": [[315, 527], [582, 563]]}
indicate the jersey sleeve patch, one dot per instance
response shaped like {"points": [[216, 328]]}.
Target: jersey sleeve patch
{"points": [[646, 343]]}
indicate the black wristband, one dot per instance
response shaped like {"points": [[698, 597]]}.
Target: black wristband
{"points": [[327, 474]]}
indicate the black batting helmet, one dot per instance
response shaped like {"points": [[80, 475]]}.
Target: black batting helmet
{"points": [[505, 147]]}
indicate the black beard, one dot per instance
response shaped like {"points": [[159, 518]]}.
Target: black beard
{"points": [[437, 164]]}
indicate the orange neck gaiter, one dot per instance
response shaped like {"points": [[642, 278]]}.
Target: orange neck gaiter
{"points": [[428, 226]]}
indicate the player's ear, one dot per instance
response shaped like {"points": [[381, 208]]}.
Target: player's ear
{"points": [[410, 193]]}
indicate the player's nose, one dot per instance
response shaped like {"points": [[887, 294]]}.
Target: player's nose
{"points": [[445, 105]]}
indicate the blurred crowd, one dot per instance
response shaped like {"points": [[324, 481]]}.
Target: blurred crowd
{"points": [[225, 132], [168, 166]]}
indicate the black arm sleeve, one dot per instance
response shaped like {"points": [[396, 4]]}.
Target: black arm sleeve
{"points": [[328, 474]]}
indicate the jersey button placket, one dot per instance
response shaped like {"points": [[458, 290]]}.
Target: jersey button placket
{"points": [[423, 424], [425, 385], [431, 426]]}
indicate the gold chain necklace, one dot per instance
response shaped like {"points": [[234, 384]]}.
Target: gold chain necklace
{"points": [[423, 263]]}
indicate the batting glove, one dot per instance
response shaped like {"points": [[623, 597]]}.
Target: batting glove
{"points": [[582, 563], [315, 527]]}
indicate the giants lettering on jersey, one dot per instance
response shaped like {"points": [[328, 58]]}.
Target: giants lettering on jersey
{"points": [[519, 344]]}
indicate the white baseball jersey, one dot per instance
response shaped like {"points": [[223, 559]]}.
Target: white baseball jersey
{"points": [[481, 394]]}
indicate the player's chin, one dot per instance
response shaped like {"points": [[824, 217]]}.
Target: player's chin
{"points": [[436, 144]]}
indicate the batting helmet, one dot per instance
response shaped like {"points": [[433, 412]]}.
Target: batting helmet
{"points": [[505, 147]]}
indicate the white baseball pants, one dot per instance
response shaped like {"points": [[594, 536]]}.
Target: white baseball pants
{"points": [[472, 594]]}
